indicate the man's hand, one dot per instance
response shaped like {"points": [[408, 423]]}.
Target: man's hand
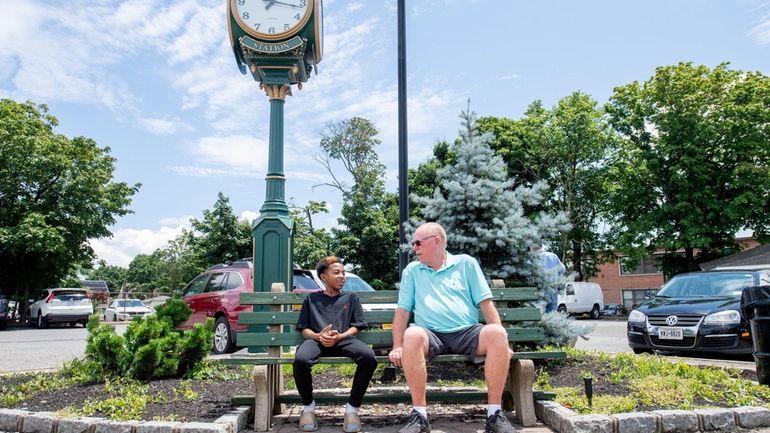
{"points": [[395, 356]]}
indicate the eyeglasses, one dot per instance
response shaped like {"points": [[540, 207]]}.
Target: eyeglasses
{"points": [[418, 242]]}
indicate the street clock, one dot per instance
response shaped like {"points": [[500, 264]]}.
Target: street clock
{"points": [[276, 34]]}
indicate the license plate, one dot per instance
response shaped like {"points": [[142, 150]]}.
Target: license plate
{"points": [[387, 326], [670, 333]]}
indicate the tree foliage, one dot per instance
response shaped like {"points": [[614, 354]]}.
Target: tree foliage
{"points": [[56, 193], [694, 167], [483, 210], [220, 235], [567, 147], [368, 236], [310, 244]]}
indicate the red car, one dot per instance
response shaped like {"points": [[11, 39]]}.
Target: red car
{"points": [[216, 293]]}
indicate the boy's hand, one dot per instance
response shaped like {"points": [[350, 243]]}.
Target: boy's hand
{"points": [[329, 336]]}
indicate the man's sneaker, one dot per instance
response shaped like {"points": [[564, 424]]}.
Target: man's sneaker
{"points": [[416, 424], [498, 423]]}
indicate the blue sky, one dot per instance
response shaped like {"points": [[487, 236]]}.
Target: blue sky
{"points": [[156, 82]]}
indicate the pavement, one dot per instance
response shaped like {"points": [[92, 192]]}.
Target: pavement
{"points": [[330, 421]]}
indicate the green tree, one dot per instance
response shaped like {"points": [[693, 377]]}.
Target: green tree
{"points": [[484, 213], [368, 238], [694, 167], [56, 193], [567, 147], [220, 236], [310, 244]]}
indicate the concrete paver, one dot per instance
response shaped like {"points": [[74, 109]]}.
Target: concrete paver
{"points": [[330, 421]]}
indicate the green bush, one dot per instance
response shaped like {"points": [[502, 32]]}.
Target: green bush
{"points": [[152, 347]]}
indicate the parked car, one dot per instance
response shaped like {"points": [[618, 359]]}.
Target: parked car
{"points": [[126, 309], [613, 310], [216, 293], [354, 283], [5, 314], [696, 312], [581, 298], [61, 305]]}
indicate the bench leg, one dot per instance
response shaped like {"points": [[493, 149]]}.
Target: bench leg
{"points": [[520, 380], [263, 400], [276, 375]]}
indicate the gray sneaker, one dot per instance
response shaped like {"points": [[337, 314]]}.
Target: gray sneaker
{"points": [[416, 424], [498, 423]]}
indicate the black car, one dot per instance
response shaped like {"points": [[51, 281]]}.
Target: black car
{"points": [[696, 312]]}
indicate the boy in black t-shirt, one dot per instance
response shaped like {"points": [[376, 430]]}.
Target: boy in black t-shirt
{"points": [[329, 321]]}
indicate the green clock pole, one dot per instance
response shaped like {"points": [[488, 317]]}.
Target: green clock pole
{"points": [[274, 229]]}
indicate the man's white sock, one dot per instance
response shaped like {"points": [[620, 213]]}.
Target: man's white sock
{"points": [[422, 410], [349, 408], [492, 409], [309, 408]]}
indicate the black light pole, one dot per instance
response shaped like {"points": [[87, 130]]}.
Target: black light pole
{"points": [[403, 167]]}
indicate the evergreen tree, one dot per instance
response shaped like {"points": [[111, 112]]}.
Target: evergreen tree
{"points": [[485, 214]]}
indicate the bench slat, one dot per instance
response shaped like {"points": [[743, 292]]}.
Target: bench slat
{"points": [[380, 296], [267, 360], [373, 336], [374, 317]]}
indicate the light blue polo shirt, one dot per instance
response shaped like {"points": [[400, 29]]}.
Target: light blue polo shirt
{"points": [[445, 300]]}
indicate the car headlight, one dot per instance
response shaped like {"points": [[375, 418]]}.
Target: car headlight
{"points": [[729, 317], [636, 316]]}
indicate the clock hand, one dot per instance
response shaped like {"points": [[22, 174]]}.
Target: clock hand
{"points": [[271, 2], [281, 3]]}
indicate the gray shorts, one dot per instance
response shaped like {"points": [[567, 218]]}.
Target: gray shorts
{"points": [[463, 342]]}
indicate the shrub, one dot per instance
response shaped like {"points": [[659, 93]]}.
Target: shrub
{"points": [[152, 347]]}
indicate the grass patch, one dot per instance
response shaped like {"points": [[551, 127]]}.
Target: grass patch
{"points": [[626, 382], [32, 384]]}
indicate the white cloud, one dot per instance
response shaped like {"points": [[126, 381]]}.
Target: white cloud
{"points": [[226, 156], [249, 215], [164, 126], [761, 32], [125, 244]]}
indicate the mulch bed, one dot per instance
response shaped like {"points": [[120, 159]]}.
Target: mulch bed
{"points": [[214, 395]]}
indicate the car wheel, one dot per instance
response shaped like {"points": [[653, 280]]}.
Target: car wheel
{"points": [[30, 321], [562, 309], [595, 312], [72, 324], [41, 322], [639, 351], [224, 340]]}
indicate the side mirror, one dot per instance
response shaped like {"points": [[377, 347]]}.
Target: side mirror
{"points": [[571, 292]]}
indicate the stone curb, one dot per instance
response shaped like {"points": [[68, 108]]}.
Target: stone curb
{"points": [[22, 421], [564, 420]]}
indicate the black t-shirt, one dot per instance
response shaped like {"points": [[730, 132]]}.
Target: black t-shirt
{"points": [[342, 312]]}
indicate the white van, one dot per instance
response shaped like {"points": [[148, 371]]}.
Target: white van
{"points": [[580, 298]]}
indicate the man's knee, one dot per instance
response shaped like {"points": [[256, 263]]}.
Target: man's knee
{"points": [[414, 335], [493, 336]]}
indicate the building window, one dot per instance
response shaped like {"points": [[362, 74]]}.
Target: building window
{"points": [[633, 297], [646, 265]]}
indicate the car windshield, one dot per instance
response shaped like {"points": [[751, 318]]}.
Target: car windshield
{"points": [[302, 281], [707, 285], [125, 303], [356, 284]]}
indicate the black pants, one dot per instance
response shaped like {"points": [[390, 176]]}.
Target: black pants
{"points": [[310, 351]]}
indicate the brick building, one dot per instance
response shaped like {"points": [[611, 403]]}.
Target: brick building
{"points": [[629, 286]]}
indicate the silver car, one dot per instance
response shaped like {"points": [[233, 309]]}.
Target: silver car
{"points": [[63, 305], [126, 309]]}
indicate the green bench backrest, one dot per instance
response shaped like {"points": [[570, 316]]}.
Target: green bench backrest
{"points": [[264, 332]]}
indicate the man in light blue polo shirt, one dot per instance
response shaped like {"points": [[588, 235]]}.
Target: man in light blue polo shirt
{"points": [[444, 291]]}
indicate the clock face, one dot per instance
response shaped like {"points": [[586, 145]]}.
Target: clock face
{"points": [[272, 19]]}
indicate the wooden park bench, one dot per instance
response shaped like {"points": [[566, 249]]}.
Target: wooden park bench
{"points": [[273, 332]]}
